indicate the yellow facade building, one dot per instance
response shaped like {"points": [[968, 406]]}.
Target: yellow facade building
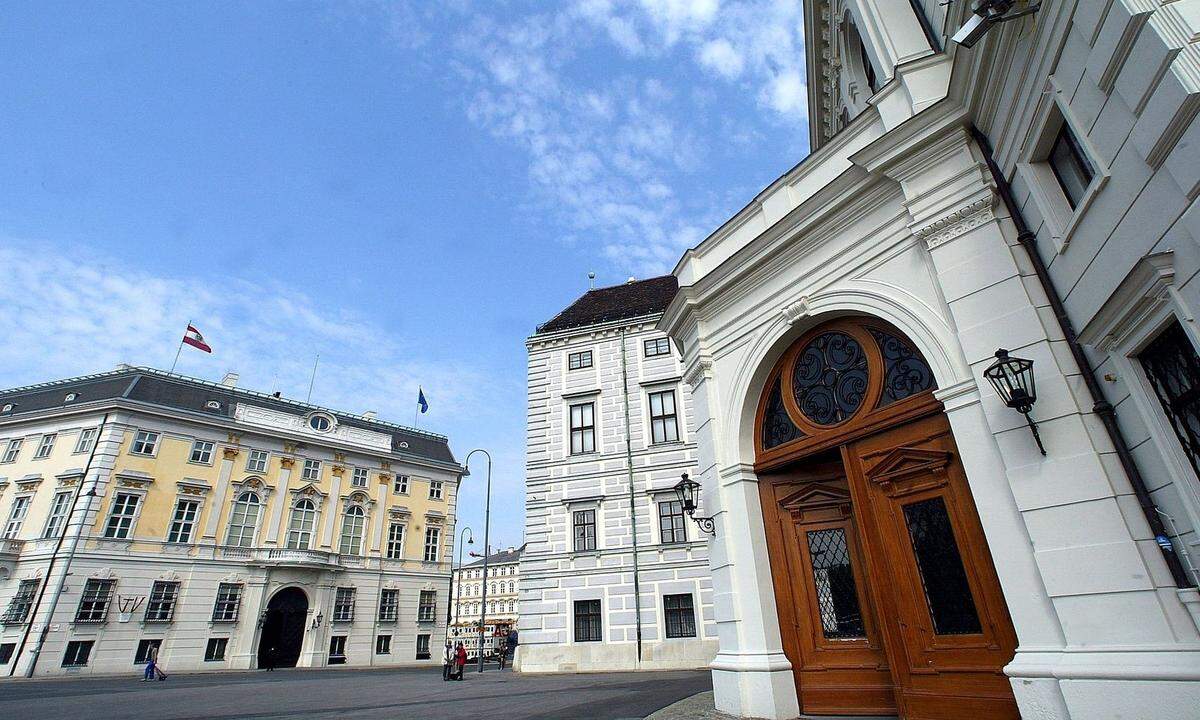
{"points": [[224, 527]]}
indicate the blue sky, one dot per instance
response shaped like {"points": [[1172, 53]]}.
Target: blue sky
{"points": [[406, 189]]}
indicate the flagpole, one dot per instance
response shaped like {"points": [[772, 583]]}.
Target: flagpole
{"points": [[180, 348], [313, 379], [417, 409]]}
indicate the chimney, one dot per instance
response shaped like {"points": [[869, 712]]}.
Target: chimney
{"points": [[370, 415], [631, 279], [230, 379]]}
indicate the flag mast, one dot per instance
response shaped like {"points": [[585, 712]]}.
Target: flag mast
{"points": [[313, 379], [179, 349]]}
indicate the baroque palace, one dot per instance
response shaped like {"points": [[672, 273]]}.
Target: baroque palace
{"points": [[499, 614], [224, 527]]}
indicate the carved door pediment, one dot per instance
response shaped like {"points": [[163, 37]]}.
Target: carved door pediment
{"points": [[905, 470]]}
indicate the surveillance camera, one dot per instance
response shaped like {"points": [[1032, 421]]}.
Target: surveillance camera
{"points": [[986, 14], [973, 30]]}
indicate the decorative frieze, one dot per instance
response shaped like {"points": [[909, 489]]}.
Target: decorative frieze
{"points": [[961, 221]]}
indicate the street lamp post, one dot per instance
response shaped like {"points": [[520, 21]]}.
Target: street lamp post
{"points": [[458, 590], [487, 516]]}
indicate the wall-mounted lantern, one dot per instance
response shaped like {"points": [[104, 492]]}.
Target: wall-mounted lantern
{"points": [[1013, 381], [316, 621], [687, 490]]}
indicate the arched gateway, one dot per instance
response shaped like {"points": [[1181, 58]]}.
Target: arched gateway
{"points": [[283, 628], [888, 600]]}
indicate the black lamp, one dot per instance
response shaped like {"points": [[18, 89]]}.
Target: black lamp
{"points": [[686, 490], [1012, 378], [316, 623]]}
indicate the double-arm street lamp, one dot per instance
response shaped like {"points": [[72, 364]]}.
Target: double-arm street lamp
{"points": [[458, 590], [487, 516]]}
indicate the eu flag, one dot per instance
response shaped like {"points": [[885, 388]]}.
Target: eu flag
{"points": [[421, 401]]}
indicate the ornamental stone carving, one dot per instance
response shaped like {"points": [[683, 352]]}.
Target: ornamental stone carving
{"points": [[959, 222]]}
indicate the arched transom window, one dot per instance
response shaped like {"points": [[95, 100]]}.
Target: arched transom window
{"points": [[300, 527], [243, 520], [352, 531]]}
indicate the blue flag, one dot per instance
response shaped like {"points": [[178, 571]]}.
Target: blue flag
{"points": [[421, 401]]}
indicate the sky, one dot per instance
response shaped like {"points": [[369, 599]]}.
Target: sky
{"points": [[405, 189]]}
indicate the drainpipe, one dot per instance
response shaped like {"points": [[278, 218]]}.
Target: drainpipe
{"points": [[1100, 405], [637, 587]]}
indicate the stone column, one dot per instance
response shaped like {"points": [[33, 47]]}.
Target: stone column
{"points": [[331, 511], [276, 523], [228, 455], [379, 518]]}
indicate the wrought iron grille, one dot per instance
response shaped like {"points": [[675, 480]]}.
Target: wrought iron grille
{"points": [[905, 373], [587, 621], [939, 563], [829, 380], [1173, 368], [777, 428], [833, 576]]}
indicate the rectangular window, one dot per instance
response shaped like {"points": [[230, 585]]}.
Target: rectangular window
{"points": [[312, 470], [229, 601], [833, 582], [400, 486], [21, 603], [59, 507], [433, 538], [671, 525], [583, 429], [587, 621], [343, 605], [395, 541], [1173, 368], [12, 451], [389, 605], [45, 447], [435, 489], [16, 517], [680, 616], [658, 346], [256, 462], [337, 650], [422, 647], [584, 523], [124, 512], [202, 452], [427, 607], [6, 652], [1071, 166], [215, 650], [142, 656], [93, 604], [359, 478], [86, 441], [947, 591], [664, 425], [579, 360], [77, 653], [383, 644], [160, 608], [144, 443], [184, 521]]}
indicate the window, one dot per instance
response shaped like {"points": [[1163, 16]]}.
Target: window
{"points": [[359, 478], [142, 656], [184, 521], [86, 441], [312, 470], [343, 605], [672, 528], [256, 462], [16, 516], [352, 531], [579, 360], [21, 603], [58, 514], [400, 486], [202, 451], [320, 423], [161, 606], [583, 429], [383, 645], [389, 604], [587, 621], [435, 489], [943, 577], [77, 653], [6, 652], [124, 512], [300, 527], [422, 647], [215, 650], [657, 346], [229, 601], [433, 537], [681, 616], [584, 522], [93, 604], [1173, 368], [1070, 165], [45, 447], [13, 449], [664, 426], [427, 607], [144, 443], [337, 650], [243, 520], [395, 541]]}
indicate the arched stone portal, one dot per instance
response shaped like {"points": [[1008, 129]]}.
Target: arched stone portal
{"points": [[283, 628], [887, 597]]}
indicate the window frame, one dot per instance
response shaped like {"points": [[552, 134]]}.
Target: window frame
{"points": [[678, 522], [423, 640], [356, 537], [400, 484], [663, 417], [178, 525], [592, 620], [14, 523], [435, 546], [257, 461], [144, 438], [579, 360], [1066, 137], [12, 451], [210, 648], [395, 543], [576, 514], [45, 446], [427, 606], [227, 605], [586, 429], [169, 596], [56, 519], [77, 645], [436, 489], [86, 440], [142, 654], [337, 650], [311, 470], [97, 599], [114, 531], [22, 601], [356, 474], [389, 605], [241, 525], [680, 622], [661, 346], [311, 532], [343, 604], [383, 644], [205, 453]]}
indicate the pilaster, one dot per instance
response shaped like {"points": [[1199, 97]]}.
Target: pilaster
{"points": [[228, 454]]}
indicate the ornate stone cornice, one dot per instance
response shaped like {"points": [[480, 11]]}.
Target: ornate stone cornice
{"points": [[968, 217], [701, 369]]}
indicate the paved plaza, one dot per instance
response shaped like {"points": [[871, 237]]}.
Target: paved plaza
{"points": [[407, 693]]}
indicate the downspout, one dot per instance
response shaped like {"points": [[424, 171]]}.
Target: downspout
{"points": [[1100, 405], [637, 587]]}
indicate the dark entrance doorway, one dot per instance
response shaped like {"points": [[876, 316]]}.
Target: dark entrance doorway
{"points": [[283, 628]]}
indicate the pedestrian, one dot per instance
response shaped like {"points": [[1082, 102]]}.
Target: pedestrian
{"points": [[460, 659], [269, 659], [448, 660], [510, 648], [151, 660]]}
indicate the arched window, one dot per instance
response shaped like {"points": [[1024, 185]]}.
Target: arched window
{"points": [[243, 520], [352, 531], [300, 527]]}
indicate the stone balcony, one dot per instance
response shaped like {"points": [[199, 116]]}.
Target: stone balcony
{"points": [[10, 550], [288, 557]]}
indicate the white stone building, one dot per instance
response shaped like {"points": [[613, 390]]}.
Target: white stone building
{"points": [[467, 602], [610, 420], [889, 538]]}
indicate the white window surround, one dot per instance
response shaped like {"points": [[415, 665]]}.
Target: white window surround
{"points": [[584, 503], [137, 514], [17, 513], [570, 401], [142, 438], [257, 461], [45, 446], [86, 440], [202, 449]]}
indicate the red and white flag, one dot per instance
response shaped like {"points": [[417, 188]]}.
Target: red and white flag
{"points": [[195, 339]]}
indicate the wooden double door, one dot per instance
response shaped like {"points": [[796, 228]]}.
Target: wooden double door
{"points": [[888, 599]]}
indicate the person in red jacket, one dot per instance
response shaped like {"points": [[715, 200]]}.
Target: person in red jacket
{"points": [[460, 660]]}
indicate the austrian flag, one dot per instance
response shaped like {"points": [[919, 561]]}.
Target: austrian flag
{"points": [[195, 339]]}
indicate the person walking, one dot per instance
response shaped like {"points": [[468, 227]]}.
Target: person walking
{"points": [[460, 660], [510, 648], [269, 657], [448, 660], [151, 662]]}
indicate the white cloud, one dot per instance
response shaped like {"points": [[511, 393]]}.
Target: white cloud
{"points": [[720, 56], [787, 93]]}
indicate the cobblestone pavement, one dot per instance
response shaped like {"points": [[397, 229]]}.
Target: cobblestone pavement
{"points": [[408, 693]]}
